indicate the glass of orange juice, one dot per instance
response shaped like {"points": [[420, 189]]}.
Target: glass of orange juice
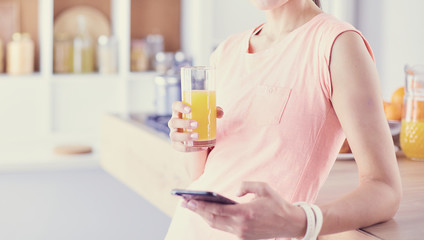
{"points": [[412, 127], [198, 91]]}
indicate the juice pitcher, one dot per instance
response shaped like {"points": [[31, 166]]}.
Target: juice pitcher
{"points": [[412, 129]]}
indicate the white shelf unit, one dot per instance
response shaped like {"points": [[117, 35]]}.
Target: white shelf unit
{"points": [[43, 110], [45, 104]]}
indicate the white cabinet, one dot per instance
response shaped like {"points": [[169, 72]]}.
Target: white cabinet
{"points": [[45, 103]]}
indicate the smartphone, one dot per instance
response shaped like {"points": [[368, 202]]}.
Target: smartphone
{"points": [[202, 196]]}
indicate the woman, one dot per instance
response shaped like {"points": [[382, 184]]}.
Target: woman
{"points": [[292, 89]]}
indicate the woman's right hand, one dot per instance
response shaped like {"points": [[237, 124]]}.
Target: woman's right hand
{"points": [[183, 141]]}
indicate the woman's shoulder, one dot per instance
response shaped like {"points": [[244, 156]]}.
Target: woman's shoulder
{"points": [[328, 23]]}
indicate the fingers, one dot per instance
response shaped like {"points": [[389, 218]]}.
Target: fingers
{"points": [[213, 208], [229, 218], [219, 112], [260, 189], [175, 123], [183, 137], [178, 108], [183, 141], [221, 222]]}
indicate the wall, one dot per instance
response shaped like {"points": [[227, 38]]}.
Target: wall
{"points": [[225, 22], [402, 40]]}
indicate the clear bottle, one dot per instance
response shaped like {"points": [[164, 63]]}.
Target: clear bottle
{"points": [[107, 55], [412, 126], [155, 44], [20, 54], [63, 54], [83, 49]]}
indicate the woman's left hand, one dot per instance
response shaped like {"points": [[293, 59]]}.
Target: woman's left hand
{"points": [[266, 216]]}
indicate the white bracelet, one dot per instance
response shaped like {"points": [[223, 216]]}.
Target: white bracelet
{"points": [[318, 220], [310, 217], [314, 220]]}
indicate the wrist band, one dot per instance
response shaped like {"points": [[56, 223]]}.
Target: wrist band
{"points": [[318, 219], [314, 220], [310, 218]]}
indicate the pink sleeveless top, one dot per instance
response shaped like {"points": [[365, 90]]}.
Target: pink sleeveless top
{"points": [[279, 125]]}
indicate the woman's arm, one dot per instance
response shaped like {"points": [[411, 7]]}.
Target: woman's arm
{"points": [[358, 104], [194, 163], [195, 157]]}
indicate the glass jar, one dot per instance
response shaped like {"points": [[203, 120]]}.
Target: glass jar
{"points": [[83, 49], [412, 127], [63, 54], [139, 55], [20, 54]]}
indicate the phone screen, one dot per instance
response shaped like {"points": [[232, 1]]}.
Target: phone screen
{"points": [[202, 196]]}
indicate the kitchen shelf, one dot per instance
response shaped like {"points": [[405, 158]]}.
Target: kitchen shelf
{"points": [[82, 78], [142, 76], [55, 101], [13, 78]]}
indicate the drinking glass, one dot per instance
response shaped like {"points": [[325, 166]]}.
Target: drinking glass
{"points": [[198, 91]]}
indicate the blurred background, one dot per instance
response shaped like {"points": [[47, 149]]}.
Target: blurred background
{"points": [[66, 63]]}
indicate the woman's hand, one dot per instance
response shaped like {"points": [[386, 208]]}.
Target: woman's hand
{"points": [[267, 216], [182, 141]]}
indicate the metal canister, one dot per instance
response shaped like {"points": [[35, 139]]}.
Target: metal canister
{"points": [[168, 90], [164, 61]]}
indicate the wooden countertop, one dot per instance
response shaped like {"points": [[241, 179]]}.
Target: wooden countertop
{"points": [[409, 220], [144, 160]]}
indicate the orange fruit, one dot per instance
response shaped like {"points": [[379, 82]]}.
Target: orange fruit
{"points": [[393, 111], [345, 147], [397, 96], [385, 104]]}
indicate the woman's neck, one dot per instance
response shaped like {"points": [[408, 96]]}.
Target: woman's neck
{"points": [[288, 17]]}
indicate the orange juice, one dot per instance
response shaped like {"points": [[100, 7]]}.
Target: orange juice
{"points": [[412, 139], [203, 110]]}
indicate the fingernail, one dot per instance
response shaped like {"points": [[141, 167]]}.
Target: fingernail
{"points": [[187, 109], [189, 143], [204, 148], [193, 124], [192, 205], [194, 135]]}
